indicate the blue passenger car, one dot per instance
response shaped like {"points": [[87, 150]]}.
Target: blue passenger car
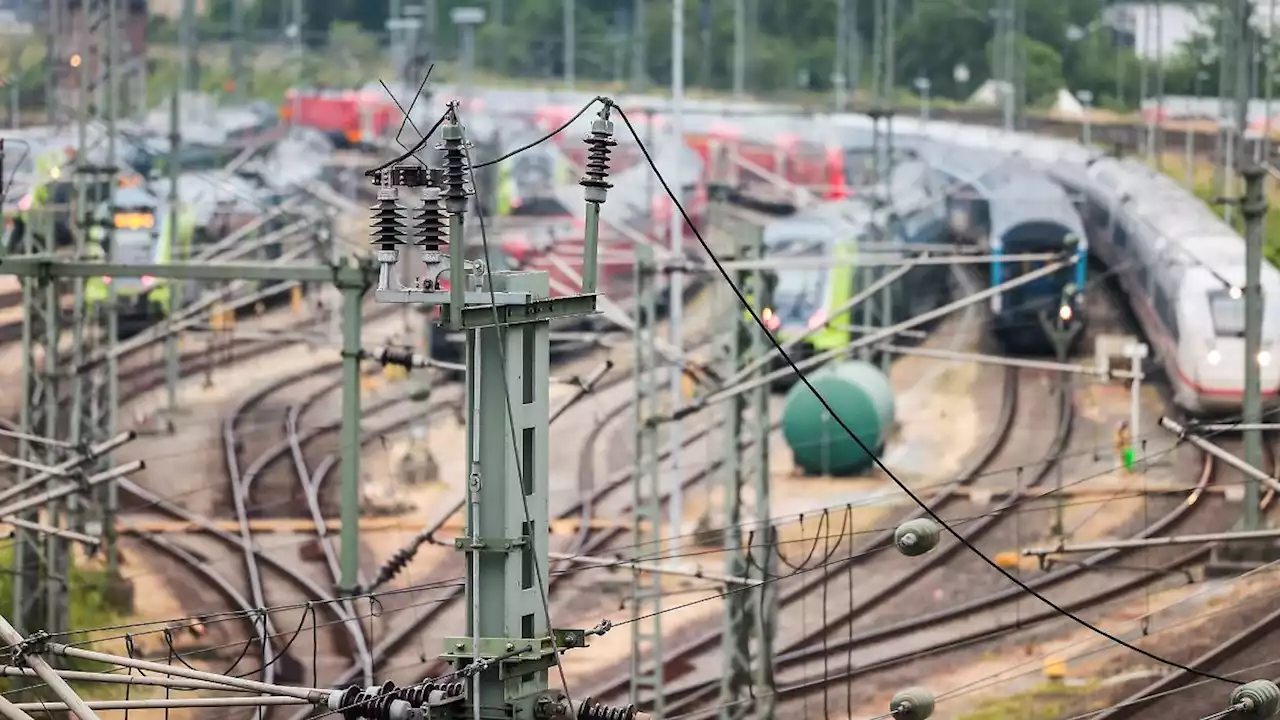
{"points": [[1010, 205], [1031, 214]]}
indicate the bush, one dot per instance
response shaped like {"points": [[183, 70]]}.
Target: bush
{"points": [[87, 590]]}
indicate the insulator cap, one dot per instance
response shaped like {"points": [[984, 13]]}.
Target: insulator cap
{"points": [[917, 537], [454, 178], [600, 143], [592, 710], [911, 704], [431, 223], [1256, 699], [389, 225]]}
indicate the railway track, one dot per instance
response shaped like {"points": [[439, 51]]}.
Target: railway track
{"points": [[589, 502], [270, 581], [880, 647]]}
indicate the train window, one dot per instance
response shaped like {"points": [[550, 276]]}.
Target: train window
{"points": [[1227, 313]]}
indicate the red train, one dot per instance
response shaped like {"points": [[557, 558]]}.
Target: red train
{"points": [[348, 117]]}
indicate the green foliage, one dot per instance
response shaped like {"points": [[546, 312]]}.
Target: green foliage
{"points": [[792, 46], [90, 608]]}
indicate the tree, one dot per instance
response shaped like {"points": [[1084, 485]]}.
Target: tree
{"points": [[792, 44]]}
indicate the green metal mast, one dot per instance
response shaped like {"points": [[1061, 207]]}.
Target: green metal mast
{"points": [[750, 613], [1254, 209], [505, 317], [646, 503]]}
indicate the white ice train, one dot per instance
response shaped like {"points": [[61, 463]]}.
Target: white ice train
{"points": [[1183, 269]]}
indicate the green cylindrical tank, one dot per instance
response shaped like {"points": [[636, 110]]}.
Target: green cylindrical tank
{"points": [[861, 396]]}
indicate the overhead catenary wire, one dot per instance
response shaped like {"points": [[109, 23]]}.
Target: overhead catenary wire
{"points": [[481, 224], [1215, 432], [800, 376]]}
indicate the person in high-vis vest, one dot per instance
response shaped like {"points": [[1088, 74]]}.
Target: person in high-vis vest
{"points": [[1124, 446]]}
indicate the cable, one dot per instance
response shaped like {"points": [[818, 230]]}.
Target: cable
{"points": [[544, 138], [800, 376]]}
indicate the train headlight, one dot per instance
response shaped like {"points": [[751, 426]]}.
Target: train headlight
{"points": [[1264, 358], [1214, 357], [1065, 313], [771, 319]]}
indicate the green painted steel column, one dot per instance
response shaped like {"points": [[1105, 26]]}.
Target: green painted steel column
{"points": [[1254, 210], [349, 440], [509, 476]]}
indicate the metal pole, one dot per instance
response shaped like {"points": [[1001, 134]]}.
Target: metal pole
{"points": [[853, 71], [1137, 353], [349, 442], [1250, 471], [1160, 60], [55, 61], [639, 69], [735, 650], [229, 681], [646, 590], [108, 416], [570, 44], [838, 80], [1128, 543], [15, 85], [59, 686], [468, 57], [1007, 48], [135, 679], [676, 309], [218, 702], [1267, 81], [11, 711], [239, 77], [173, 371], [739, 48], [1188, 145], [328, 235], [1254, 209], [1143, 90]]}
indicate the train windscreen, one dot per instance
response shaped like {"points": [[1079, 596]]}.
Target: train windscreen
{"points": [[799, 293], [1228, 314]]}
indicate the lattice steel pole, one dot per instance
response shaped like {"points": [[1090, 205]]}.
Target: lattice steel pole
{"points": [[749, 614], [646, 588], [38, 416]]}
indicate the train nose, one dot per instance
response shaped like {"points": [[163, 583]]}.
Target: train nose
{"points": [[1221, 369], [1221, 366]]}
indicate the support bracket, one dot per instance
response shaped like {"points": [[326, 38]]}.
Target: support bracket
{"points": [[499, 545], [504, 650]]}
